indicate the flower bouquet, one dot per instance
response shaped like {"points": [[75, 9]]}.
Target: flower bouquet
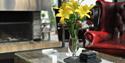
{"points": [[72, 14]]}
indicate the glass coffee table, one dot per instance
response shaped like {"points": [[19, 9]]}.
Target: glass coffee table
{"points": [[56, 56]]}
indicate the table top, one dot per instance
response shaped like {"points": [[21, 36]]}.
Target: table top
{"points": [[58, 55]]}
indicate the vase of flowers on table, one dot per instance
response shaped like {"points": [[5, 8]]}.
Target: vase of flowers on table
{"points": [[72, 14]]}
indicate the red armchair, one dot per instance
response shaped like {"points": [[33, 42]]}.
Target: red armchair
{"points": [[110, 34]]}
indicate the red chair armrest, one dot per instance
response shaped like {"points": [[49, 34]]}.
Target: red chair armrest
{"points": [[96, 36]]}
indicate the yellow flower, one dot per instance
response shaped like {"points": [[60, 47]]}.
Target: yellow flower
{"points": [[73, 5], [64, 14], [64, 4], [71, 0], [62, 20], [84, 10]]}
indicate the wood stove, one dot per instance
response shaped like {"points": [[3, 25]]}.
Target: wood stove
{"points": [[19, 25]]}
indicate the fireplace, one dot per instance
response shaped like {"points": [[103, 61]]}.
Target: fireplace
{"points": [[19, 25], [20, 19]]}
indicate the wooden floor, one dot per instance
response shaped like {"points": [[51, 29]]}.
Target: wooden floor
{"points": [[27, 45]]}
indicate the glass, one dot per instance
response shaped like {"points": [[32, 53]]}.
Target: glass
{"points": [[73, 45]]}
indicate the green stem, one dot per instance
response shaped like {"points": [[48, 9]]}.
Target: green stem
{"points": [[74, 39], [73, 30]]}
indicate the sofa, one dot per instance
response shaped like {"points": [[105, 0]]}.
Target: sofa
{"points": [[109, 36]]}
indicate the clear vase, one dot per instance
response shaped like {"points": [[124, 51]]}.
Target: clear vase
{"points": [[73, 44], [72, 49]]}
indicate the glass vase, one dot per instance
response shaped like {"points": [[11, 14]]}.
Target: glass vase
{"points": [[73, 43], [72, 48]]}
